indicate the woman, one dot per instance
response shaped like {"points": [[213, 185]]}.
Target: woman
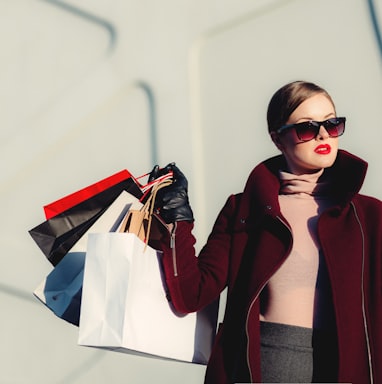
{"points": [[300, 251]]}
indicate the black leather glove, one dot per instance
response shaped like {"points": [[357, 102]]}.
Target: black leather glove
{"points": [[172, 201]]}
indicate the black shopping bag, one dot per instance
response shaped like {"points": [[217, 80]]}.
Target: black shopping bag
{"points": [[57, 235]]}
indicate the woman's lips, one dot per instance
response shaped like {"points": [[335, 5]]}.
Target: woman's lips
{"points": [[323, 149]]}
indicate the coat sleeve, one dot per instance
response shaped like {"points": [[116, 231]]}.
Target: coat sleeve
{"points": [[194, 282]]}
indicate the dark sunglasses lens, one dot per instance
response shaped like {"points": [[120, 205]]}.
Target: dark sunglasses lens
{"points": [[306, 131], [335, 127], [309, 130]]}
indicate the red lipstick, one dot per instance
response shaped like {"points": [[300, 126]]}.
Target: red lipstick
{"points": [[323, 149]]}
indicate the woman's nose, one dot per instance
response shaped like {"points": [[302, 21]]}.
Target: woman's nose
{"points": [[322, 133]]}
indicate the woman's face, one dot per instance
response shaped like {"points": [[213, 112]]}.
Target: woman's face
{"points": [[313, 155]]}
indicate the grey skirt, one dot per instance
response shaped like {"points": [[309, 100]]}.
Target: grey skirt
{"points": [[286, 353]]}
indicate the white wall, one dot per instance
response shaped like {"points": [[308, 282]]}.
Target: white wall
{"points": [[83, 86]]}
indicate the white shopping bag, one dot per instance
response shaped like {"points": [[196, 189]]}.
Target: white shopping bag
{"points": [[124, 304], [60, 291]]}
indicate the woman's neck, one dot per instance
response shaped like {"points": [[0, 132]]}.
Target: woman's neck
{"points": [[306, 183]]}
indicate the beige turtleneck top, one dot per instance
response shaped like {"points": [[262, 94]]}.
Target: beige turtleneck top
{"points": [[299, 291]]}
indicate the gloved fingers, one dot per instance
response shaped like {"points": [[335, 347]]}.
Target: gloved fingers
{"points": [[157, 171], [154, 174], [179, 180], [172, 201], [177, 173], [169, 167]]}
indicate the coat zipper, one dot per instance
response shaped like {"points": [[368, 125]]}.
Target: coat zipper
{"points": [[173, 250], [363, 295], [172, 242], [256, 297]]}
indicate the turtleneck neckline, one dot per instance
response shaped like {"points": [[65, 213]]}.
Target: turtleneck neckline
{"points": [[306, 184]]}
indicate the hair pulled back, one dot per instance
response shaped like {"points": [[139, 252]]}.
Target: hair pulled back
{"points": [[287, 99]]}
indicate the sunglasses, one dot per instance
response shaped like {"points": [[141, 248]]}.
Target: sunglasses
{"points": [[308, 130]]}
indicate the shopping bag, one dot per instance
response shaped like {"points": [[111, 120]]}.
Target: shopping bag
{"points": [[61, 290], [57, 235], [69, 201], [125, 303]]}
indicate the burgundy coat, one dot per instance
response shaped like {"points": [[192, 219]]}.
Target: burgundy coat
{"points": [[249, 242]]}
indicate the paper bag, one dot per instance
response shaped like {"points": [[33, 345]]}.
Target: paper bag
{"points": [[61, 290], [125, 305]]}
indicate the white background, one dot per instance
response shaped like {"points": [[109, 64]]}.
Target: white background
{"points": [[90, 87]]}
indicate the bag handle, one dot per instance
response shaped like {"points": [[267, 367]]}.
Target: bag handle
{"points": [[135, 219], [148, 186]]}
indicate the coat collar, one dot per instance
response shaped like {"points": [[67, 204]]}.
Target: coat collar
{"points": [[262, 188]]}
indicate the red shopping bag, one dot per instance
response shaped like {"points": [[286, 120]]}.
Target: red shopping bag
{"points": [[69, 201]]}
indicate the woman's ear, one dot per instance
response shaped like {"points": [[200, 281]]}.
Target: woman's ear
{"points": [[276, 140]]}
